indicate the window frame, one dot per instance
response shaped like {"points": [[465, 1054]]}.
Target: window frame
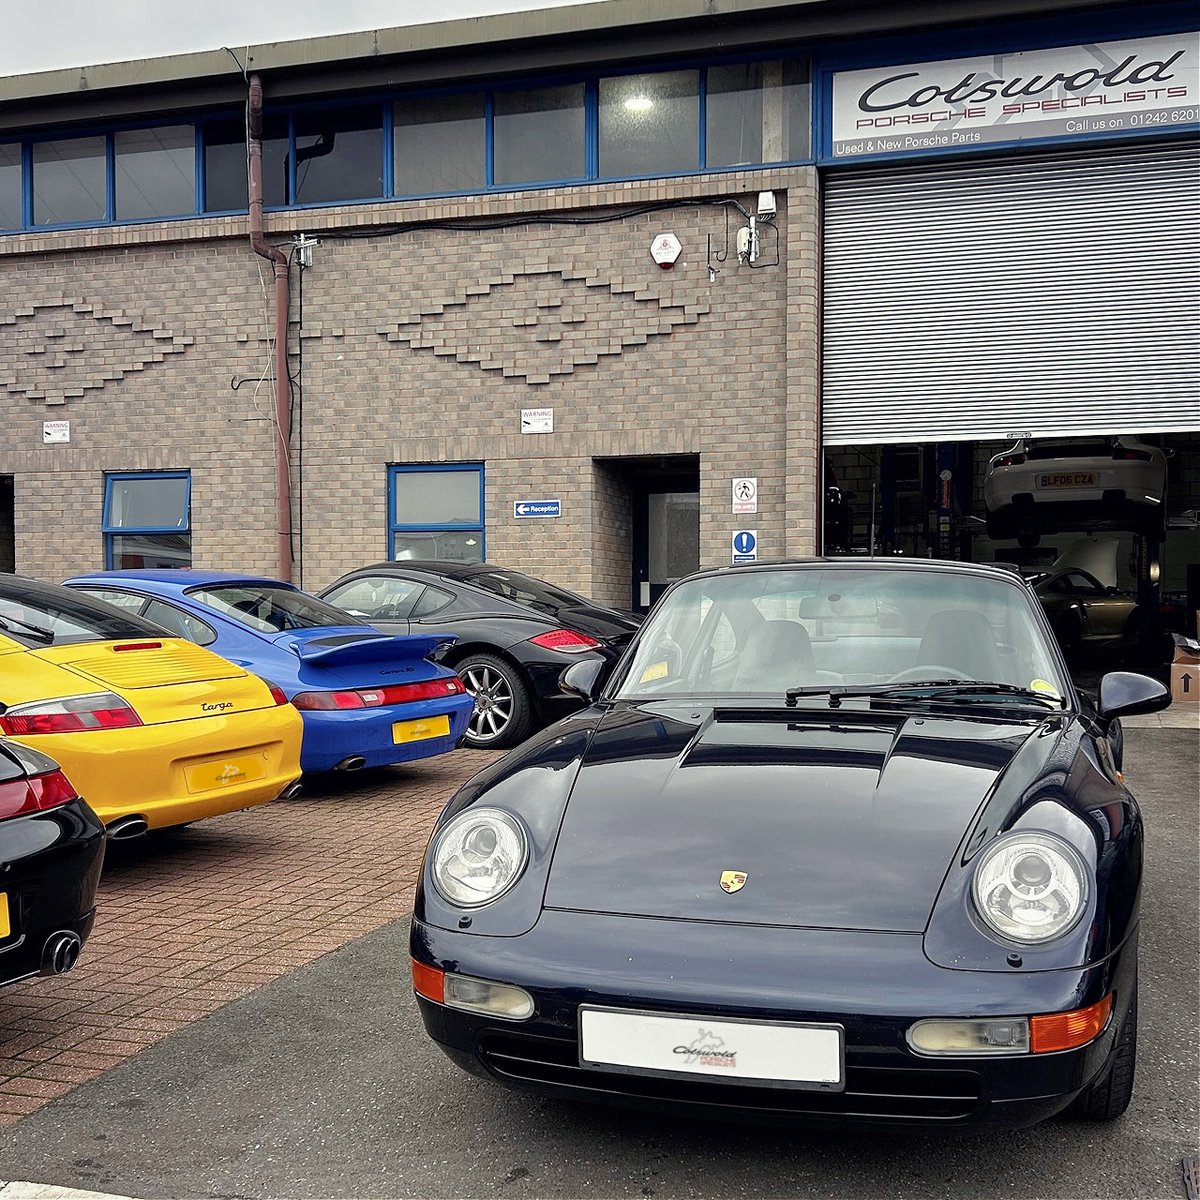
{"points": [[394, 526], [109, 531]]}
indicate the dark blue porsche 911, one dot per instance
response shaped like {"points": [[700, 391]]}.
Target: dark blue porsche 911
{"points": [[368, 699], [838, 842]]}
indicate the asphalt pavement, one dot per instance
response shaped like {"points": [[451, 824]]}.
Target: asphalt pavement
{"points": [[322, 1084]]}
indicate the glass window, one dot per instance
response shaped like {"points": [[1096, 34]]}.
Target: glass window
{"points": [[272, 608], [38, 614], [439, 145], [275, 159], [225, 166], [376, 597], [437, 512], [182, 624], [734, 115], [147, 521], [432, 600], [538, 134], [339, 154], [69, 181], [156, 172], [10, 187], [125, 600], [650, 124]]}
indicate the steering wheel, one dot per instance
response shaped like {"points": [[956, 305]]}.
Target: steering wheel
{"points": [[930, 672]]}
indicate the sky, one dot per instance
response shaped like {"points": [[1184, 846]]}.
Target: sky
{"points": [[49, 34]]}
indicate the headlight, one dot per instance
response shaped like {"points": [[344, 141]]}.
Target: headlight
{"points": [[478, 857], [1030, 887]]}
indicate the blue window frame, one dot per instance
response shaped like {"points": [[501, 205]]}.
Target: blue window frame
{"points": [[435, 510], [147, 519]]}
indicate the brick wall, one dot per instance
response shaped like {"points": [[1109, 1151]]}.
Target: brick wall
{"points": [[419, 347]]}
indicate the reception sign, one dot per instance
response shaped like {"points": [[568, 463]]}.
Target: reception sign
{"points": [[1139, 84]]}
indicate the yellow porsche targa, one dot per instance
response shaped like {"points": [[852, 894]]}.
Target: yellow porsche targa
{"points": [[152, 729]]}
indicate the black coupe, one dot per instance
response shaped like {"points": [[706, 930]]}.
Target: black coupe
{"points": [[838, 842], [51, 851], [516, 634]]}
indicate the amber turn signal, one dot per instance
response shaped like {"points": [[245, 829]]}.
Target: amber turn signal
{"points": [[1065, 1031], [428, 981]]}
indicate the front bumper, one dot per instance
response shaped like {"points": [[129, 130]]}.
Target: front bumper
{"points": [[874, 985], [52, 864]]}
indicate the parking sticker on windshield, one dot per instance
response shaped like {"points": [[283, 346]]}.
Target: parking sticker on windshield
{"points": [[1046, 688]]}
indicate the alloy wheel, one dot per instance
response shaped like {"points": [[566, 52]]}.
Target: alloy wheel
{"points": [[493, 702]]}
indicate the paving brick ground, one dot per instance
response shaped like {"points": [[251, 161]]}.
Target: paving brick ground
{"points": [[189, 922]]}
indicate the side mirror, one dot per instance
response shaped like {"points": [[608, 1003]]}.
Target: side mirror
{"points": [[582, 679], [1123, 693]]}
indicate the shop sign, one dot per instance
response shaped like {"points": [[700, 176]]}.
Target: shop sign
{"points": [[1142, 84]]}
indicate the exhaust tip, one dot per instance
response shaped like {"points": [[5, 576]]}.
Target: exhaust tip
{"points": [[61, 952], [355, 762], [125, 828], [291, 790]]}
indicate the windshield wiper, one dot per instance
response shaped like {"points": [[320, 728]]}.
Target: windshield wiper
{"points": [[934, 687], [44, 635]]}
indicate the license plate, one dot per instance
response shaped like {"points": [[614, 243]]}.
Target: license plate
{"points": [[5, 923], [418, 731], [217, 773], [765, 1053], [1069, 479]]}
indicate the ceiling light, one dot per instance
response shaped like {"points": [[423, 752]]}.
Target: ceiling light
{"points": [[639, 104]]}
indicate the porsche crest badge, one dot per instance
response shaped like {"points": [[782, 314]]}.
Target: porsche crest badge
{"points": [[733, 881]]}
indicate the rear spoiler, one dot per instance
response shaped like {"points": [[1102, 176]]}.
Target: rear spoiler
{"points": [[407, 647]]}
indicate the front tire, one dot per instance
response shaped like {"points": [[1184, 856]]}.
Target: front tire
{"points": [[1108, 1095], [503, 713]]}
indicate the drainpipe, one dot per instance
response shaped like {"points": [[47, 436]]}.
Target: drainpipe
{"points": [[283, 482]]}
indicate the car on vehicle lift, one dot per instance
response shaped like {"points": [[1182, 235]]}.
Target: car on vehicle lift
{"points": [[1038, 485]]}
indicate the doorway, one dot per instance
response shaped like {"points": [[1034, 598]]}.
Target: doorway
{"points": [[8, 524], [666, 526]]}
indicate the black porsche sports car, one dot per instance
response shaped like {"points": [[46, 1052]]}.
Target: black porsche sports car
{"points": [[51, 851], [838, 842], [516, 634]]}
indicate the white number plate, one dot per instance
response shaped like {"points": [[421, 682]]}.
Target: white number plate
{"points": [[773, 1054]]}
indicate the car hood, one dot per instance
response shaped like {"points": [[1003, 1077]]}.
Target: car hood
{"points": [[838, 819]]}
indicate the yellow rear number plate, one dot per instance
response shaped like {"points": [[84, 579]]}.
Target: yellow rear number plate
{"points": [[1069, 479], [224, 772], [418, 731], [5, 926]]}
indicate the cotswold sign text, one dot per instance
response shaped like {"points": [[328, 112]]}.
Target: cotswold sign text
{"points": [[1147, 83]]}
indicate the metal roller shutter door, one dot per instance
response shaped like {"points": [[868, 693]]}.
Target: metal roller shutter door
{"points": [[1049, 296]]}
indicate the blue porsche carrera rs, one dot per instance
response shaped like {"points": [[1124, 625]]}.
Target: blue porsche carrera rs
{"points": [[368, 699]]}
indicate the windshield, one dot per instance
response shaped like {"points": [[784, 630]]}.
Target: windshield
{"points": [[270, 609], [512, 585], [762, 633], [40, 614]]}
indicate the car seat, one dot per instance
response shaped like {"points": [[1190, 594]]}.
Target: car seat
{"points": [[778, 655], [961, 640]]}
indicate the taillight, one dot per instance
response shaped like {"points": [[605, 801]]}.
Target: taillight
{"points": [[138, 646], [277, 694], [1010, 460], [1125, 454], [71, 714], [566, 640], [39, 793], [397, 693]]}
